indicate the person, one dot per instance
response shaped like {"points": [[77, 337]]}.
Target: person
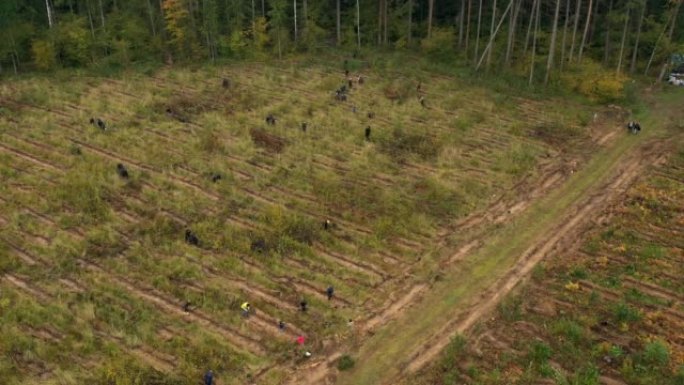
{"points": [[281, 325], [300, 340], [209, 377], [303, 305], [330, 291], [186, 306], [245, 308]]}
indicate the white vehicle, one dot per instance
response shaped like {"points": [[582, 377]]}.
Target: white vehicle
{"points": [[677, 76]]}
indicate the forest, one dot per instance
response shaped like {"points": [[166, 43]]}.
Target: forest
{"points": [[532, 38]]}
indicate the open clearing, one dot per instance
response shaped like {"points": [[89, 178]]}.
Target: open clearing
{"points": [[434, 219], [605, 308]]}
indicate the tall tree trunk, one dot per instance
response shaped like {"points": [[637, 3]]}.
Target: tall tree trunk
{"points": [[565, 33], [552, 48], [675, 13], [280, 51], [529, 26], [305, 17], [50, 17], [461, 18], [607, 45], [385, 21], [586, 31], [488, 47], [477, 37], [491, 33], [150, 11], [593, 22], [635, 52], [254, 25], [263, 8], [655, 46], [380, 21], [14, 55], [431, 6], [102, 14], [467, 36], [410, 21], [90, 20], [337, 16], [512, 28], [574, 30], [294, 6], [622, 45], [534, 41], [358, 24], [15, 63]]}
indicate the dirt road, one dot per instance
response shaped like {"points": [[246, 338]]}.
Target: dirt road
{"points": [[473, 285]]}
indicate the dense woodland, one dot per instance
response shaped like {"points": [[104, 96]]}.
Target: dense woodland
{"points": [[625, 36]]}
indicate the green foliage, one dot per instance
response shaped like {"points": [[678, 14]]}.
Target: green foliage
{"points": [[569, 329], [453, 353], [438, 200], [590, 79], [517, 161], [509, 308], [586, 376], [44, 55], [235, 44], [260, 35], [539, 352], [72, 41], [85, 190], [345, 362], [402, 143], [178, 24], [625, 313], [440, 44], [656, 354]]}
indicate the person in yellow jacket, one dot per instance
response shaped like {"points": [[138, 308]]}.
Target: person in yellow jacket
{"points": [[245, 309]]}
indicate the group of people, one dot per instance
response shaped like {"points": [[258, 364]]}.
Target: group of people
{"points": [[634, 127]]}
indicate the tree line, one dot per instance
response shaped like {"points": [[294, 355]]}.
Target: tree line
{"points": [[537, 37]]}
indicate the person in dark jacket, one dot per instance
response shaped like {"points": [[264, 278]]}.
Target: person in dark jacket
{"points": [[209, 377]]}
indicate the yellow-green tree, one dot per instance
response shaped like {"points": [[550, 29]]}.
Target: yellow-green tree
{"points": [[178, 25], [43, 54]]}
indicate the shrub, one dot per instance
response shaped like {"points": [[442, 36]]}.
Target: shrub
{"points": [[73, 41], [656, 354], [626, 313], [509, 308], [398, 90], [453, 353], [539, 353], [402, 143], [437, 199], [587, 376], [597, 83], [345, 362], [569, 329], [268, 141], [440, 44], [43, 54]]}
